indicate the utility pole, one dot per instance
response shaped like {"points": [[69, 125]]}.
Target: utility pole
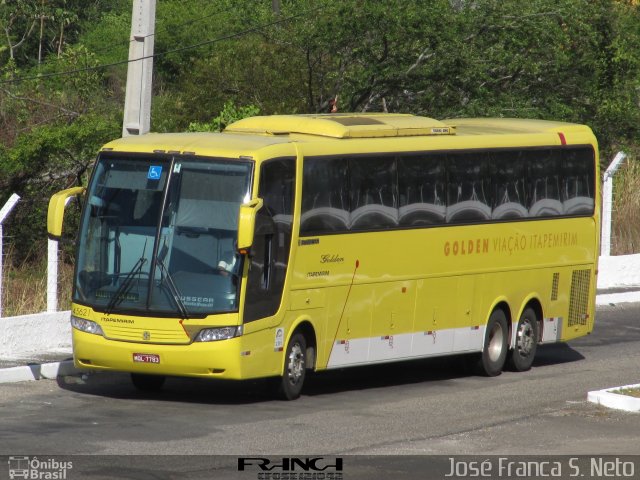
{"points": [[137, 104]]}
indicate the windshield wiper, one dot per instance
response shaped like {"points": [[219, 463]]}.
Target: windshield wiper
{"points": [[125, 287], [175, 293]]}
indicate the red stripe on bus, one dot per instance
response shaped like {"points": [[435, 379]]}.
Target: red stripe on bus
{"points": [[563, 140], [185, 330]]}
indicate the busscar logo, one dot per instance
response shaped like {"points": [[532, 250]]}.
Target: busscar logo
{"points": [[293, 468]]}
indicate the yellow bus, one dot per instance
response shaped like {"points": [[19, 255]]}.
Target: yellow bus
{"points": [[310, 242]]}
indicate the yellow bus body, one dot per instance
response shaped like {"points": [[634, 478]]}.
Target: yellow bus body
{"points": [[377, 296]]}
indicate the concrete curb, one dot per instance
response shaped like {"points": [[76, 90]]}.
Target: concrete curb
{"points": [[614, 400], [615, 298], [47, 371]]}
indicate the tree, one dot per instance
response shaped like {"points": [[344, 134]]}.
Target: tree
{"points": [[573, 60], [48, 159], [18, 20], [229, 114]]}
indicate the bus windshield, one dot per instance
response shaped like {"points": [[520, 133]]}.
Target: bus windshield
{"points": [[158, 235]]}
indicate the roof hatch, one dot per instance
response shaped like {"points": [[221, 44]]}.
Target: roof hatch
{"points": [[346, 125]]}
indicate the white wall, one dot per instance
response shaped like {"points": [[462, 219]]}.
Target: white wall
{"points": [[28, 334], [618, 272]]}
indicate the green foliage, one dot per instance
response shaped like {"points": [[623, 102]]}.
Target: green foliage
{"points": [[34, 29], [48, 159], [573, 60], [229, 114]]}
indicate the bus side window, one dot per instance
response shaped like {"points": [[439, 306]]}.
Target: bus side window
{"points": [[325, 198], [468, 196], [421, 190], [545, 183], [577, 182], [374, 199], [509, 186], [272, 240]]}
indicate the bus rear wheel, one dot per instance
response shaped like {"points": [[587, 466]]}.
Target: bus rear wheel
{"points": [[147, 383], [523, 353], [494, 352], [295, 368]]}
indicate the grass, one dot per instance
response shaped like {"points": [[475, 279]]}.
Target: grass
{"points": [[24, 287], [625, 229], [632, 392]]}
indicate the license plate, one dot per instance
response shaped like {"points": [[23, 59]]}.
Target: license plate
{"points": [[146, 358]]}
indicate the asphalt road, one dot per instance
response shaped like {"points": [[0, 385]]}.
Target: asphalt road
{"points": [[415, 408]]}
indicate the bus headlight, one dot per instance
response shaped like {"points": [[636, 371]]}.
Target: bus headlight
{"points": [[86, 325], [219, 333]]}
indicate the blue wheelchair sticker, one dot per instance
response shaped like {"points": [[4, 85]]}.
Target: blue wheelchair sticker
{"points": [[155, 171]]}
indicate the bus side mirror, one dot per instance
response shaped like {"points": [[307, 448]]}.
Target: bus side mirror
{"points": [[55, 215], [247, 224]]}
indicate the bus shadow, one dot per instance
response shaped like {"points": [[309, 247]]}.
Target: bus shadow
{"points": [[434, 370], [556, 353], [394, 374], [118, 386], [226, 392]]}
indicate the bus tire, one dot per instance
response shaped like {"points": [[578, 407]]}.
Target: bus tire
{"points": [[147, 383], [527, 334], [494, 352], [295, 368]]}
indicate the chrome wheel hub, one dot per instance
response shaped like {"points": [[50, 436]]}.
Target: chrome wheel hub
{"points": [[525, 340], [295, 366], [496, 342]]}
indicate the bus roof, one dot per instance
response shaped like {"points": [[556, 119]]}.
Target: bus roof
{"points": [[192, 143], [376, 125], [255, 133], [510, 126]]}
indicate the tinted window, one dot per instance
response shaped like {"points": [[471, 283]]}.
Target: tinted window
{"points": [[422, 190], [417, 190], [468, 188], [373, 191], [510, 185], [544, 181], [272, 239], [325, 196], [578, 182]]}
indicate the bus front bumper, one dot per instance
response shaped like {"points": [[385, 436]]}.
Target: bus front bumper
{"points": [[220, 359]]}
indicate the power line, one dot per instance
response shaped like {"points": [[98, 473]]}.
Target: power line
{"points": [[159, 54]]}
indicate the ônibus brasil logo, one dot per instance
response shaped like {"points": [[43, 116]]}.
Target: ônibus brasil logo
{"points": [[37, 469]]}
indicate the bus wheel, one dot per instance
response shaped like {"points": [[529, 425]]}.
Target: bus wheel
{"points": [[295, 368], [494, 352], [524, 351], [147, 383]]}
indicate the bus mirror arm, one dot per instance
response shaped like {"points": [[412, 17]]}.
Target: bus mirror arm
{"points": [[247, 224], [57, 204]]}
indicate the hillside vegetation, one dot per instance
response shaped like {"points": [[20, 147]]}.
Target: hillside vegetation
{"points": [[63, 74]]}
